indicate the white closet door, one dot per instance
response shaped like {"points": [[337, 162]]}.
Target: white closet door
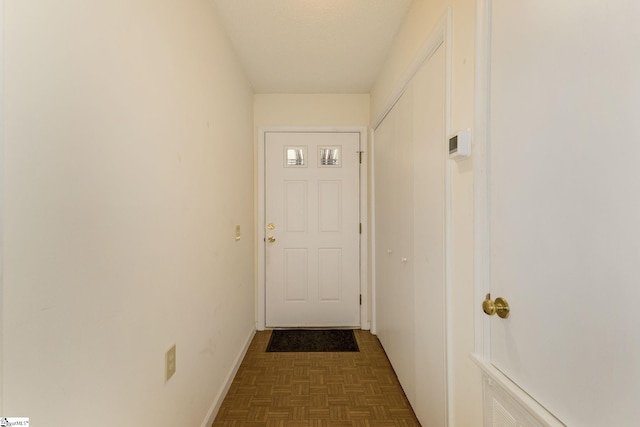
{"points": [[410, 238]]}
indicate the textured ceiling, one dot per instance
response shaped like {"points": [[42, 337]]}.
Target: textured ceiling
{"points": [[312, 46]]}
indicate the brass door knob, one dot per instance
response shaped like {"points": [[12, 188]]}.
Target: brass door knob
{"points": [[271, 239], [500, 307]]}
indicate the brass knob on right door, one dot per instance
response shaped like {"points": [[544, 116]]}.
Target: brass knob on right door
{"points": [[500, 307]]}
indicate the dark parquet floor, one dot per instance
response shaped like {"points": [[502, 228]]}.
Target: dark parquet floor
{"points": [[316, 389]]}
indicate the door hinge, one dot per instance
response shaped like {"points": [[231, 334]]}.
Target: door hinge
{"points": [[360, 228], [360, 156], [360, 299]]}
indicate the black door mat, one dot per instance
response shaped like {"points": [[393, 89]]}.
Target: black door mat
{"points": [[312, 340]]}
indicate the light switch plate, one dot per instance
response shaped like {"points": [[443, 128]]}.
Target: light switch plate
{"points": [[170, 363]]}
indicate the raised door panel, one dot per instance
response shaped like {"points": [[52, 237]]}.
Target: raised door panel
{"points": [[330, 206], [330, 274], [296, 201], [296, 275]]}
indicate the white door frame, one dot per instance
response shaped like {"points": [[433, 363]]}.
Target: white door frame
{"points": [[261, 224], [481, 178], [1, 194]]}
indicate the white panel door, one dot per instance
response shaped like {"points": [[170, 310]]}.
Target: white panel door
{"points": [[312, 217], [564, 200]]}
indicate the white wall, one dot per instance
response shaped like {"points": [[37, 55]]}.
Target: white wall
{"points": [[419, 24], [127, 164], [311, 110]]}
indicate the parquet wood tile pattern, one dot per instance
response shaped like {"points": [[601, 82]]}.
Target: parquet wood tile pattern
{"points": [[357, 389]]}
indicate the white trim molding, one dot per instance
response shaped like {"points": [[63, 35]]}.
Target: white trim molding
{"points": [[481, 177], [365, 322], [446, 27], [261, 227], [372, 235], [1, 206], [222, 393]]}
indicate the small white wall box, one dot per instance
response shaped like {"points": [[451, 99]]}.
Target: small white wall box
{"points": [[460, 145]]}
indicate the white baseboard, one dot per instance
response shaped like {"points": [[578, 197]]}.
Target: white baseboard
{"points": [[217, 402]]}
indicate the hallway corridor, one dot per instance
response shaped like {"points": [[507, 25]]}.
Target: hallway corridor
{"points": [[316, 389]]}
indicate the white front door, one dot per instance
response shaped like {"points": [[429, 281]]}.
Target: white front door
{"points": [[312, 226], [564, 203]]}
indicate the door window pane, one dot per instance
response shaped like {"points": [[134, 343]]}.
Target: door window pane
{"points": [[329, 156], [295, 156]]}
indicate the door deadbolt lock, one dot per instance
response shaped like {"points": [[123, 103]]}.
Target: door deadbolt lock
{"points": [[500, 307], [271, 226], [271, 239]]}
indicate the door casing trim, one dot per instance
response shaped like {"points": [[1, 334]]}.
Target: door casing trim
{"points": [[481, 258], [261, 224]]}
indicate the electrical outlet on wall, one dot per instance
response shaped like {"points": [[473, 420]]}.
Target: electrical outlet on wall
{"points": [[170, 363]]}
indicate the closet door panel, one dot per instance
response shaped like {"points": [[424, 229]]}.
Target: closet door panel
{"points": [[429, 240], [404, 352], [386, 226]]}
